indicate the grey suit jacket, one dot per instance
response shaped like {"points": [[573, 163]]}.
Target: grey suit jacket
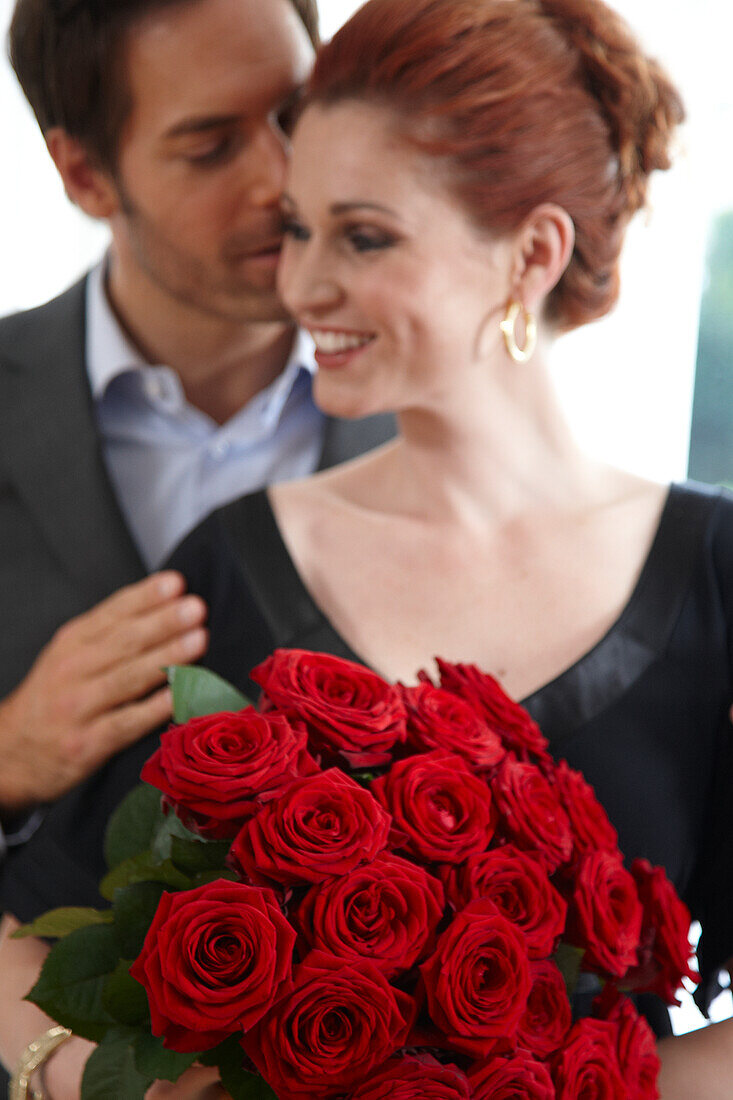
{"points": [[64, 544]]}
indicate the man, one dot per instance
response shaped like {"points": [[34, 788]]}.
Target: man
{"points": [[167, 383]]}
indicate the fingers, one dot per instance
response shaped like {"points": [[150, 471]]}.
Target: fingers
{"points": [[95, 688], [135, 599], [137, 677], [122, 727], [93, 744], [147, 632], [96, 643], [197, 1083], [133, 620]]}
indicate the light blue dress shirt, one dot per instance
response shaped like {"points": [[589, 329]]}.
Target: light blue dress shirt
{"points": [[170, 463]]}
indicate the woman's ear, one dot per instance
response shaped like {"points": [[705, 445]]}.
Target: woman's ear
{"points": [[88, 186], [544, 246]]}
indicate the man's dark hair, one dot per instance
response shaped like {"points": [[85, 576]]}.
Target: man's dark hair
{"points": [[69, 58]]}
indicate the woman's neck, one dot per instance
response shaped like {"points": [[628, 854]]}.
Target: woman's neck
{"points": [[480, 457]]}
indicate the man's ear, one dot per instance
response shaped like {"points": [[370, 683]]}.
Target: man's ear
{"points": [[90, 187], [544, 247]]}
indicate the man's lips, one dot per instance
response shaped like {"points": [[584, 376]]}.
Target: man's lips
{"points": [[267, 250]]}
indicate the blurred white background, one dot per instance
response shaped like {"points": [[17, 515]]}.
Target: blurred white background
{"points": [[626, 381]]}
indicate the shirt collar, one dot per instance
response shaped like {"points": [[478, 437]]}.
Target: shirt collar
{"points": [[109, 352]]}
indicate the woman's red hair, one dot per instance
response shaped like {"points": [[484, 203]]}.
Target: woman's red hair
{"points": [[522, 102]]}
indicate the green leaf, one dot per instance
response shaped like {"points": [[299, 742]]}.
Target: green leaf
{"points": [[195, 856], [153, 1060], [133, 825], [134, 908], [111, 1072], [124, 998], [71, 983], [58, 923], [568, 959], [240, 1084], [364, 778], [169, 827], [142, 868], [247, 1086], [197, 692], [243, 1086]]}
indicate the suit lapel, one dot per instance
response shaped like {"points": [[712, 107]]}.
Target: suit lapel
{"points": [[51, 448], [345, 439]]}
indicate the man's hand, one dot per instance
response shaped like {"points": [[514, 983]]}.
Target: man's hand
{"points": [[95, 688]]}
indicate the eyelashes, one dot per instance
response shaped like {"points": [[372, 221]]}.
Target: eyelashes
{"points": [[294, 229], [359, 238], [364, 240]]}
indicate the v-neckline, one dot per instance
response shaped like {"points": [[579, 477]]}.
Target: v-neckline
{"points": [[578, 692]]}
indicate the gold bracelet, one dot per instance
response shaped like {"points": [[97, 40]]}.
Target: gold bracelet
{"points": [[32, 1057]]}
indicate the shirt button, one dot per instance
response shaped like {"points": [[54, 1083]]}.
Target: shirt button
{"points": [[220, 449], [154, 388]]}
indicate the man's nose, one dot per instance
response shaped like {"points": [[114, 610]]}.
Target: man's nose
{"points": [[268, 165]]}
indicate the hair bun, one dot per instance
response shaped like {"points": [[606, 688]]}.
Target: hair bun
{"points": [[638, 99]]}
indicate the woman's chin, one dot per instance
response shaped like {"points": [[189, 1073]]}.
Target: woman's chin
{"points": [[335, 401]]}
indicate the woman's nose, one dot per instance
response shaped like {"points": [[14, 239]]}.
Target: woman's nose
{"points": [[307, 281]]}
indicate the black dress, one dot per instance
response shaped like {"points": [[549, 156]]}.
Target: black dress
{"points": [[644, 714]]}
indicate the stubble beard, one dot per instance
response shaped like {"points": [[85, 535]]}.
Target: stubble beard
{"points": [[190, 281]]}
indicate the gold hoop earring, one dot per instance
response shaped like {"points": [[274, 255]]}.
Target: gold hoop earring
{"points": [[508, 327]]}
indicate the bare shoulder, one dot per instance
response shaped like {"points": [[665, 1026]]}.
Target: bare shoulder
{"points": [[628, 498], [622, 522]]}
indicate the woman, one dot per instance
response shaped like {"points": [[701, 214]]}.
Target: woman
{"points": [[461, 180]]}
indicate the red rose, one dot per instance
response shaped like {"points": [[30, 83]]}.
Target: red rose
{"points": [[605, 914], [532, 815], [508, 1077], [635, 1044], [547, 1019], [517, 729], [438, 719], [341, 1021], [518, 885], [348, 709], [588, 1065], [477, 982], [320, 826], [415, 1077], [386, 911], [213, 962], [592, 831], [664, 955], [216, 771], [441, 811]]}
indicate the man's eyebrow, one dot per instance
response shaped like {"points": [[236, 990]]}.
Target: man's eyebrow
{"points": [[200, 125]]}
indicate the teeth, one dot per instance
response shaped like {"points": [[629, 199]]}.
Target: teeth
{"points": [[333, 342]]}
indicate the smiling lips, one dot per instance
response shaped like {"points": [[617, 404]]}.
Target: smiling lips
{"points": [[337, 348]]}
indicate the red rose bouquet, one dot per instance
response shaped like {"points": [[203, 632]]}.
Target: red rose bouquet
{"points": [[364, 891]]}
